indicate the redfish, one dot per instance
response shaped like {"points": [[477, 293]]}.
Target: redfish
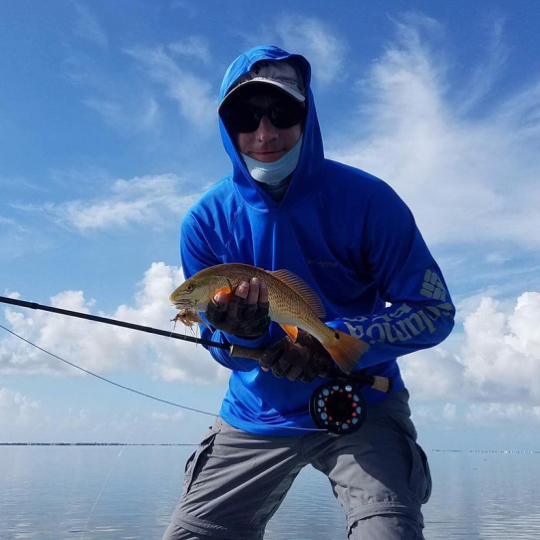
{"points": [[293, 305]]}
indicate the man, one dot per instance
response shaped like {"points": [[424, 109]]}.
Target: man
{"points": [[355, 243]]}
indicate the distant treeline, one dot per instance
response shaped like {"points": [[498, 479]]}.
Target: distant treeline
{"points": [[91, 444]]}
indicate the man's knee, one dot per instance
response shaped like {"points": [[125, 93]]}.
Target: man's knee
{"points": [[387, 527]]}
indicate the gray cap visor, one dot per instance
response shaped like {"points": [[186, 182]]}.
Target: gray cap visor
{"points": [[292, 91]]}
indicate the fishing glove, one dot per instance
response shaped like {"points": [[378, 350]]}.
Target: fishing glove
{"points": [[301, 360], [238, 318]]}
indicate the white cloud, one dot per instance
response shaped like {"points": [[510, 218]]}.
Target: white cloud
{"points": [[74, 421], [434, 414], [102, 348], [194, 46], [7, 222], [8, 183], [482, 414], [502, 352], [15, 405], [449, 412], [131, 115], [88, 27], [83, 178], [168, 418], [189, 8], [497, 258], [494, 363], [487, 74], [452, 169], [20, 416], [121, 101], [147, 199], [318, 42], [432, 374], [18, 240], [24, 419], [313, 38], [193, 93], [477, 415]]}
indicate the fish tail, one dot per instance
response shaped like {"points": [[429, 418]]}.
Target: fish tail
{"points": [[345, 350]]}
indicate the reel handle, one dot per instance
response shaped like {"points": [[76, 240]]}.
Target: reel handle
{"points": [[382, 384]]}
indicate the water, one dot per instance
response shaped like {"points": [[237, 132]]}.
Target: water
{"points": [[47, 493]]}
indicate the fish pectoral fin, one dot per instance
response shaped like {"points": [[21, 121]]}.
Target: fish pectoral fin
{"points": [[226, 290], [291, 331]]}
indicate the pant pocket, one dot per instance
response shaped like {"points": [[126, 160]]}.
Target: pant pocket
{"points": [[420, 476], [194, 461], [427, 473]]}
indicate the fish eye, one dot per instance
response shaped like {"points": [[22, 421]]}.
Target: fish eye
{"points": [[189, 288]]}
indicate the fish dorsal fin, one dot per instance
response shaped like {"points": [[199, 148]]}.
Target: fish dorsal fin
{"points": [[303, 289]]}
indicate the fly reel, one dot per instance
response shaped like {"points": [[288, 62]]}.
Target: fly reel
{"points": [[338, 406]]}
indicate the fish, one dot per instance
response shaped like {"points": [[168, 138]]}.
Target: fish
{"points": [[293, 305]]}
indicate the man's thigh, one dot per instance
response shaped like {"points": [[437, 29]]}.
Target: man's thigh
{"points": [[379, 470], [235, 482]]}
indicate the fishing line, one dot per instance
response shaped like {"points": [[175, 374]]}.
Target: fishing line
{"points": [[108, 380], [168, 344], [149, 396], [108, 476]]}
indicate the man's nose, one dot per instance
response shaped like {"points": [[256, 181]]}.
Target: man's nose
{"points": [[266, 130]]}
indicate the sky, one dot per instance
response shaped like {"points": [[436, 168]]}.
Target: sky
{"points": [[109, 132]]}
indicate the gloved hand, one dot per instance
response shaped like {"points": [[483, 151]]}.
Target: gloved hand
{"points": [[245, 315], [302, 360]]}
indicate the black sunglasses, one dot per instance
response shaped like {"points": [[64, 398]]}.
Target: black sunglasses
{"points": [[243, 117]]}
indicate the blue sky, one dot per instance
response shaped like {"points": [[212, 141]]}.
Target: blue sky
{"points": [[108, 133]]}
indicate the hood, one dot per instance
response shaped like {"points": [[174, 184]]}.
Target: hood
{"points": [[309, 172]]}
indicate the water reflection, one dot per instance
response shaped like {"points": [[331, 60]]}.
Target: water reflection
{"points": [[47, 493]]}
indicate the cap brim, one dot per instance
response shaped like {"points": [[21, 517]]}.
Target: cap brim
{"points": [[285, 87]]}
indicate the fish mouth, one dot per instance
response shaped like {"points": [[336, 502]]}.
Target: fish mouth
{"points": [[181, 304]]}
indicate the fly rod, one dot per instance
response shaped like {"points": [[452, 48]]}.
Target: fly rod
{"points": [[383, 384]]}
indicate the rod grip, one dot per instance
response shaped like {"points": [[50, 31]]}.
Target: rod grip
{"points": [[382, 384], [237, 351]]}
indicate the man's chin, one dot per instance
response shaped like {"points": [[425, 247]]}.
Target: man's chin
{"points": [[267, 157]]}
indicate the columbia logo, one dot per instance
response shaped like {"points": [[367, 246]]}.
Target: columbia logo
{"points": [[433, 287]]}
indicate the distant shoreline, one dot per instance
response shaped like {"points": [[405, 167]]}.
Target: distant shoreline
{"points": [[196, 444], [487, 451]]}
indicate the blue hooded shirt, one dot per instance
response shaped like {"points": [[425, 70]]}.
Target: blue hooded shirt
{"points": [[347, 234]]}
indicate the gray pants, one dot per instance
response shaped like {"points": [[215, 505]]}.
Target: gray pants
{"points": [[235, 481]]}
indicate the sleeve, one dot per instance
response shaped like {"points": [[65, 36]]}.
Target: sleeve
{"points": [[196, 254], [421, 312]]}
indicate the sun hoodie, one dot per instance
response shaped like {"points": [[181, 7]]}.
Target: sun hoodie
{"points": [[347, 234]]}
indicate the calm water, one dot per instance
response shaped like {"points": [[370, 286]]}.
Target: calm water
{"points": [[47, 493]]}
